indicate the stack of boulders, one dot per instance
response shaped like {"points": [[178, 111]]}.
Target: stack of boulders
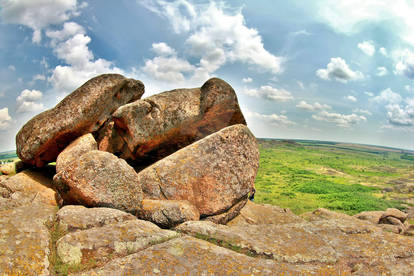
{"points": [[392, 220], [180, 155], [182, 160]]}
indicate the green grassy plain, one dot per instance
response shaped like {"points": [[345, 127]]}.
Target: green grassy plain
{"points": [[306, 175]]}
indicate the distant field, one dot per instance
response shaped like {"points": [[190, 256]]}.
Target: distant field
{"points": [[8, 156], [305, 175]]}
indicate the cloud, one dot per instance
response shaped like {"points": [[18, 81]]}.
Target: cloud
{"points": [[363, 111], [162, 49], [351, 98], [301, 84], [338, 70], [370, 94], [383, 51], [401, 115], [27, 101], [337, 15], [247, 80], [405, 65], [339, 119], [302, 32], [273, 119], [270, 93], [382, 71], [216, 35], [5, 119], [312, 107], [367, 47], [70, 44], [38, 14], [388, 96], [12, 68], [169, 69]]}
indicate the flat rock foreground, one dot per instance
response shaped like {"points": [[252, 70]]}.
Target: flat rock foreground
{"points": [[160, 186]]}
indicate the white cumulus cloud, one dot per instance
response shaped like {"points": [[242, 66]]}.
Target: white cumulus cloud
{"points": [[405, 64], [382, 71], [337, 69], [171, 69], [388, 96], [270, 93], [27, 101], [273, 119], [401, 115], [383, 51], [5, 119], [351, 98], [339, 119], [312, 107], [162, 49], [367, 47], [38, 14], [216, 35], [247, 80], [70, 44]]}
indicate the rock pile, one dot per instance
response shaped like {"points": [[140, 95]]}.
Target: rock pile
{"points": [[183, 160], [185, 153], [392, 219]]}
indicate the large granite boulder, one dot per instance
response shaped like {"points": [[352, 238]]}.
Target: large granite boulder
{"points": [[81, 145], [159, 125], [100, 179], [28, 187], [85, 110], [212, 174]]}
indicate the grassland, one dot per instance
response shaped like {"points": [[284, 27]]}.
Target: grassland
{"points": [[305, 175]]}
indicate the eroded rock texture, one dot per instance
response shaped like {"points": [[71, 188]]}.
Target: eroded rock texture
{"points": [[147, 130], [212, 174], [83, 111], [100, 179]]}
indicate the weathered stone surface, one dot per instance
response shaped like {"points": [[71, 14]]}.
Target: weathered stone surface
{"points": [[43, 137], [287, 243], [159, 125], [392, 212], [31, 186], [113, 240], [24, 240], [190, 256], [357, 246], [229, 214], [168, 213], [371, 216], [100, 179], [323, 214], [75, 149], [212, 174], [76, 217], [253, 213]]}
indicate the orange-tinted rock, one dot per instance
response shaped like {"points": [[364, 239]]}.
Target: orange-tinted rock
{"points": [[159, 125], [32, 186], [83, 111], [24, 240], [213, 174], [75, 149], [230, 214], [168, 213], [100, 179]]}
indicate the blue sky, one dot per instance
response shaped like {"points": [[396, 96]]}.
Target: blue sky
{"points": [[339, 70]]}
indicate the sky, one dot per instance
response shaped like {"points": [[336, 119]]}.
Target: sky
{"points": [[332, 70]]}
